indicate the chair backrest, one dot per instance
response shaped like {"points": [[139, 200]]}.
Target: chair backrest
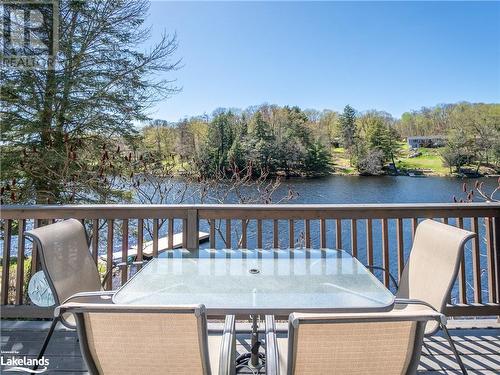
{"points": [[374, 343], [433, 263], [125, 339], [65, 257]]}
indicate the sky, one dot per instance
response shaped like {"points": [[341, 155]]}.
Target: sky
{"points": [[391, 56]]}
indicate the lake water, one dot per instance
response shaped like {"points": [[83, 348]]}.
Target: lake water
{"points": [[383, 189]]}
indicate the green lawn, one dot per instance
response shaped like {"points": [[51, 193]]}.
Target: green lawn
{"points": [[341, 161], [430, 159]]}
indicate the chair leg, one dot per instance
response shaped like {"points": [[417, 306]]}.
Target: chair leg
{"points": [[46, 341], [454, 349]]}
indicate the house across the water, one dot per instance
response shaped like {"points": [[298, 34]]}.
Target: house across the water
{"points": [[426, 141]]}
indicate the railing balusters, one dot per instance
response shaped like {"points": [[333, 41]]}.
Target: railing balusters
{"points": [[259, 234], [487, 241], [244, 224], [212, 233], [228, 234], [369, 242], [124, 250], [185, 233], [192, 227], [34, 252], [276, 239], [496, 250], [291, 234], [109, 253], [462, 278], [476, 261], [401, 246], [170, 234], [95, 239], [490, 258], [156, 228], [354, 237], [322, 233], [385, 251], [20, 261], [140, 241], [338, 233], [307, 229], [414, 224], [6, 260]]}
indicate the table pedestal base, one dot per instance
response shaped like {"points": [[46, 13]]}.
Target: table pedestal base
{"points": [[254, 360]]}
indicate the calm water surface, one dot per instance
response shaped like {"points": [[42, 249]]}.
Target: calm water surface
{"points": [[384, 189]]}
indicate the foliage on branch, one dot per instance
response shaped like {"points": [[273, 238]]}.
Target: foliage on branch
{"points": [[478, 192], [59, 126]]}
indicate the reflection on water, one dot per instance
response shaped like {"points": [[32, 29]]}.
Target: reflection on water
{"points": [[383, 189]]}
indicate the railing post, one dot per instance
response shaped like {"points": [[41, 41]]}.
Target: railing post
{"points": [[496, 241], [490, 259], [6, 261], [191, 230]]}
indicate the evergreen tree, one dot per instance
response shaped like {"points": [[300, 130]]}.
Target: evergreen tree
{"points": [[347, 122], [213, 158], [348, 131], [260, 129], [261, 145], [317, 160], [380, 137], [237, 157], [57, 124]]}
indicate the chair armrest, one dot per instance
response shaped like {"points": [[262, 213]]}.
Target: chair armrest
{"points": [[91, 297], [405, 301], [393, 279], [272, 359], [103, 297], [227, 355]]}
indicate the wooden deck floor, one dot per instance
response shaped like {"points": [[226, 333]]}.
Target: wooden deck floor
{"points": [[478, 341]]}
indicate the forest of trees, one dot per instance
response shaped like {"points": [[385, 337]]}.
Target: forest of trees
{"points": [[289, 141], [268, 140]]}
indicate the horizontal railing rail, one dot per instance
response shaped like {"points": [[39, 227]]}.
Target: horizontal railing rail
{"points": [[378, 234]]}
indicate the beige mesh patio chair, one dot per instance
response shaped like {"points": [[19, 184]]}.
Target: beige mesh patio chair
{"points": [[430, 272], [128, 339], [360, 343], [63, 250]]}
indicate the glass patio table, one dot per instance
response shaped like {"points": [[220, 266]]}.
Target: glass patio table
{"points": [[257, 282]]}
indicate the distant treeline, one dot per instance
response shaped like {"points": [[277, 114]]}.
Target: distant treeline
{"points": [[234, 146], [270, 139]]}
